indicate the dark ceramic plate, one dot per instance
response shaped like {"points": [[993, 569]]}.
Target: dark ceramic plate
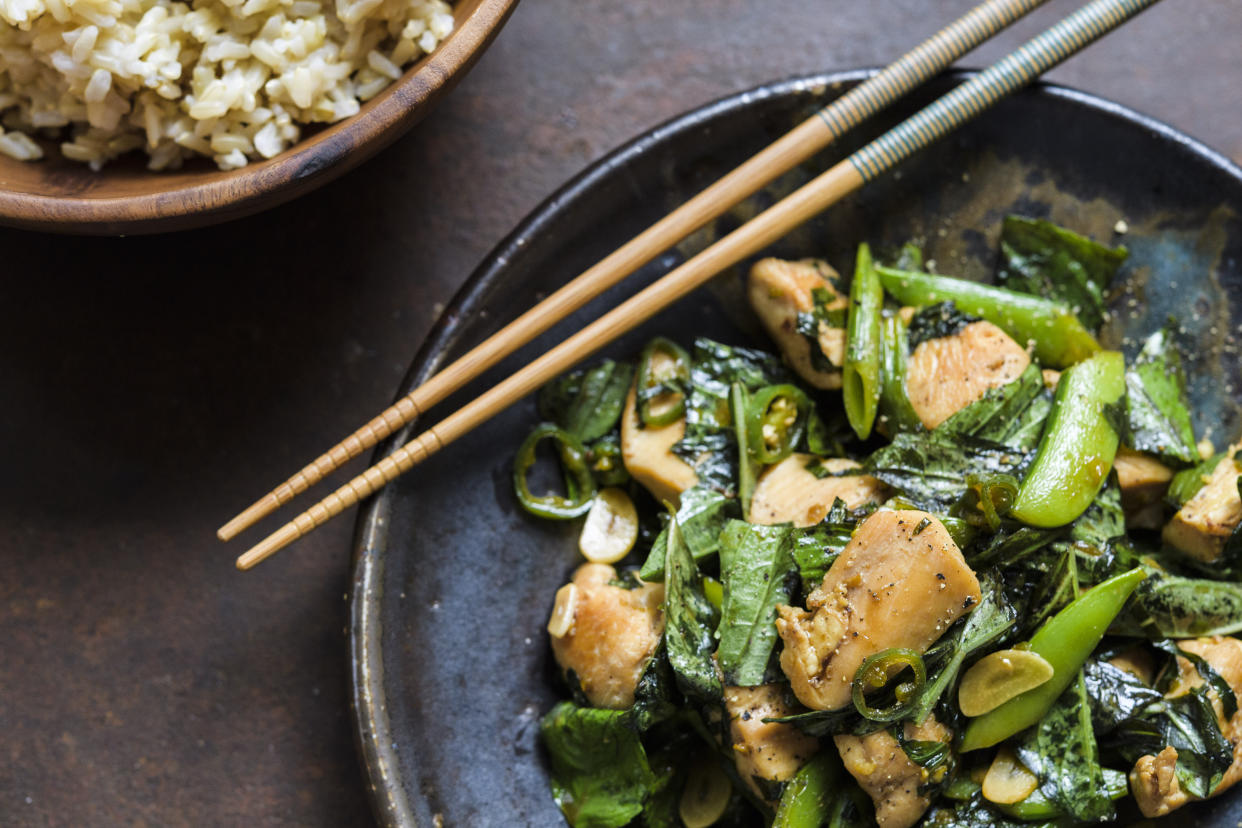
{"points": [[452, 582]]}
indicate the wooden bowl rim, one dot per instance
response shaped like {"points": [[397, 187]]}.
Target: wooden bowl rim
{"points": [[312, 162]]}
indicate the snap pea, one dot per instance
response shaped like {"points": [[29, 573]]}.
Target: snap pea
{"points": [[895, 409], [860, 378], [1060, 339], [776, 418], [818, 794], [579, 484], [1065, 641], [660, 378], [739, 412], [1078, 445]]}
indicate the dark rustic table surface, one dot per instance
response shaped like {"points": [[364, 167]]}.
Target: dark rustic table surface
{"points": [[152, 386]]}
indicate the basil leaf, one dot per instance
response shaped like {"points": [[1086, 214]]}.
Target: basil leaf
{"points": [[1040, 258], [936, 321], [1012, 415], [588, 403], [1170, 606], [600, 776], [929, 468], [701, 516], [1158, 417], [758, 572], [1061, 750], [689, 622]]}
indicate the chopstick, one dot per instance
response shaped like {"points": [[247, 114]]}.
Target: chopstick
{"points": [[804, 141], [931, 123]]}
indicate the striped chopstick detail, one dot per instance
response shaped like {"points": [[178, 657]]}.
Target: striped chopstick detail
{"points": [[1005, 76], [924, 61]]}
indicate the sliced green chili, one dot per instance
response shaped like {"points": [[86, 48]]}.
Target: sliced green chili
{"points": [[776, 419], [579, 484], [1065, 641], [895, 408], [873, 674], [1077, 448], [992, 496], [860, 378], [1060, 339], [661, 379]]}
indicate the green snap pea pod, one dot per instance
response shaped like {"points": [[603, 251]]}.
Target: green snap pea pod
{"points": [[1060, 339], [775, 421], [874, 673], [739, 411], [1078, 445], [579, 483], [895, 408], [860, 378], [662, 371], [816, 796], [1065, 641]]}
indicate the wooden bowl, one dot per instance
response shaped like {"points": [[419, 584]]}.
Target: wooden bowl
{"points": [[68, 197]]}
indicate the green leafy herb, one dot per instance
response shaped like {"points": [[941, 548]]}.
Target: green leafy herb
{"points": [[599, 770], [1188, 724], [1115, 695], [1039, 258], [587, 403], [1158, 416], [929, 468], [936, 321], [689, 621], [1061, 750], [808, 324], [1170, 606], [1012, 415], [758, 571], [701, 516], [815, 549], [1187, 482]]}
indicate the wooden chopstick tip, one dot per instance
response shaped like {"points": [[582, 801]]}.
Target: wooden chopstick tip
{"points": [[269, 546], [253, 513]]}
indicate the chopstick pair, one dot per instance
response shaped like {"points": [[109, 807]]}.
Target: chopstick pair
{"points": [[937, 119]]}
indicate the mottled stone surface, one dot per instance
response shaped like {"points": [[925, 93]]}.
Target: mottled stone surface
{"points": [[152, 386]]}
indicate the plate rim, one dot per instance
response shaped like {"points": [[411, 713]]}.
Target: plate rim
{"points": [[390, 803]]}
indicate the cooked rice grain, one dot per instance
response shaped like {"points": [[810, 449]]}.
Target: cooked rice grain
{"points": [[231, 79]]}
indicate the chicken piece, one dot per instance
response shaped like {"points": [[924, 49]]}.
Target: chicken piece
{"points": [[1203, 524], [1153, 780], [790, 493], [887, 775], [779, 290], [1143, 480], [612, 634], [648, 454], [770, 752], [948, 373], [901, 581]]}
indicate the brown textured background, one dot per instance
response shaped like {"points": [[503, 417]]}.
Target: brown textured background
{"points": [[150, 387]]}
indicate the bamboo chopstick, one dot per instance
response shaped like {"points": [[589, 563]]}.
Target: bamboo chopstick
{"points": [[937, 119], [812, 135]]}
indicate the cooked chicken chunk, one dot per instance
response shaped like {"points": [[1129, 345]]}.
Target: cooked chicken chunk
{"points": [[901, 581], [1153, 780], [648, 454], [1201, 527], [946, 374], [772, 752], [779, 290], [887, 775], [1143, 480], [790, 493], [612, 634]]}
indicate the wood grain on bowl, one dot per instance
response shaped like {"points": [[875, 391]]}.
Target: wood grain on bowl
{"points": [[58, 195]]}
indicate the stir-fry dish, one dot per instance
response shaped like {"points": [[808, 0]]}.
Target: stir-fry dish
{"points": [[944, 560]]}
